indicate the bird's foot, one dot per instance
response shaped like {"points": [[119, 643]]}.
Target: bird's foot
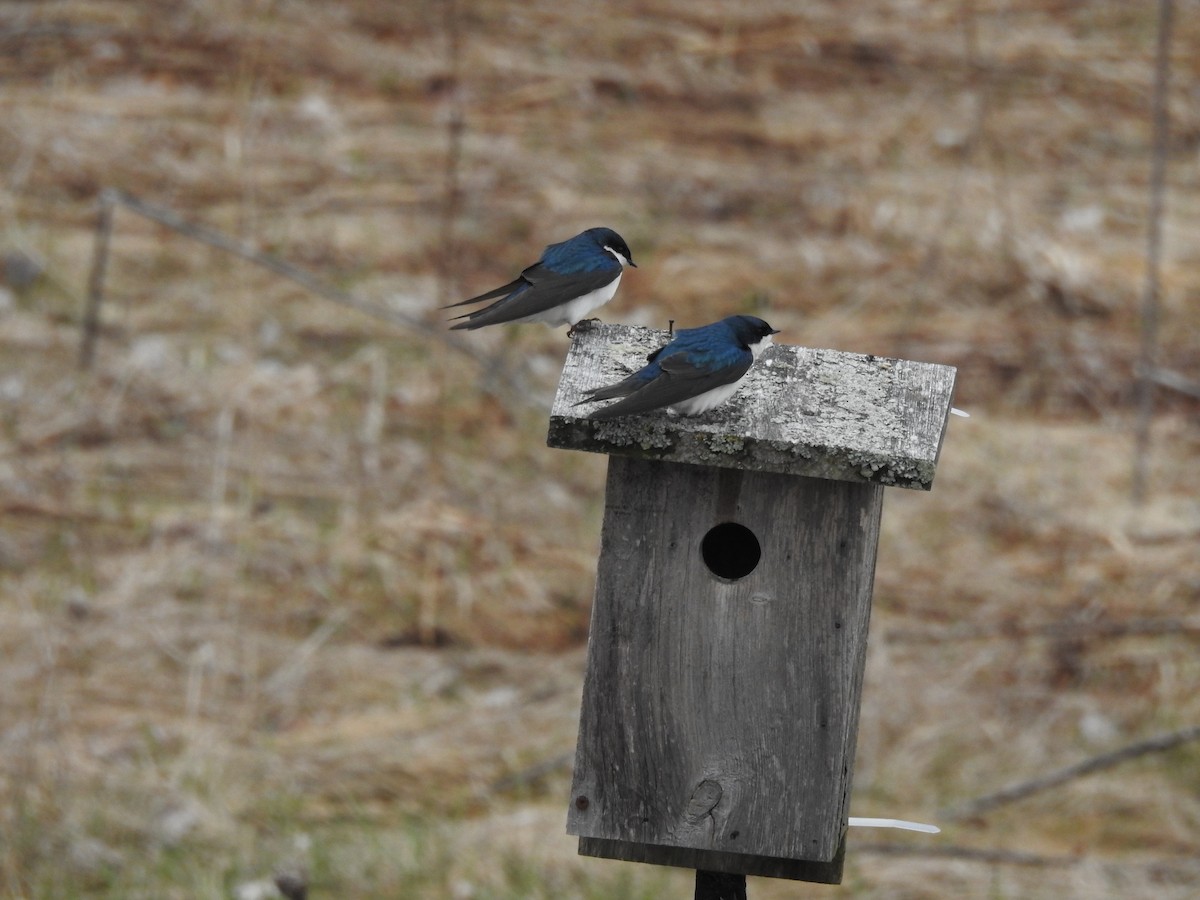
{"points": [[581, 326]]}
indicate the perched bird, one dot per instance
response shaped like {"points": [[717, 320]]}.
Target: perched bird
{"points": [[568, 282], [699, 370]]}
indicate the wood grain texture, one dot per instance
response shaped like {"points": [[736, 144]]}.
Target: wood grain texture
{"points": [[722, 715], [800, 411]]}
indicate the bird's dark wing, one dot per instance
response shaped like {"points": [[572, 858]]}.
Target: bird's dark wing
{"points": [[502, 291], [622, 388], [629, 384], [682, 378], [537, 290]]}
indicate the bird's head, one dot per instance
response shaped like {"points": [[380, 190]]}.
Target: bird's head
{"points": [[609, 240], [752, 333]]}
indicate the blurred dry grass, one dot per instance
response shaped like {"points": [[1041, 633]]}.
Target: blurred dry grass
{"points": [[283, 586]]}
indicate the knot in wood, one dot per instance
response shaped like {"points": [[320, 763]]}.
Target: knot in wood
{"points": [[704, 800]]}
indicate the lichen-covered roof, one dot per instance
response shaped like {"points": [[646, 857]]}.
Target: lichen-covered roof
{"points": [[799, 411]]}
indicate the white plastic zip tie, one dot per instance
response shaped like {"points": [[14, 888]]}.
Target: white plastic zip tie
{"points": [[861, 822]]}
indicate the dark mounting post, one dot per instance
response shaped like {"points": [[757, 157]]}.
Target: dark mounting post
{"points": [[719, 886], [729, 629]]}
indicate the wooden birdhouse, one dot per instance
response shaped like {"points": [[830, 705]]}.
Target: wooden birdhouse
{"points": [[729, 629]]}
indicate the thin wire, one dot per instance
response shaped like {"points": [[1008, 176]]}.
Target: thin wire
{"points": [[1150, 293]]}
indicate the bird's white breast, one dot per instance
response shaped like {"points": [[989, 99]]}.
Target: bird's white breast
{"points": [[576, 310], [710, 399]]}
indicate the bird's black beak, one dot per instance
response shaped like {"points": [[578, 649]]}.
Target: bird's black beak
{"points": [[774, 331], [632, 264]]}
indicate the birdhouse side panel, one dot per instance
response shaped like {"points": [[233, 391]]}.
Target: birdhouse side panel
{"points": [[725, 660]]}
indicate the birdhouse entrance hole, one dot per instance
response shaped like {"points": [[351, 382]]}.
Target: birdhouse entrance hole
{"points": [[731, 551]]}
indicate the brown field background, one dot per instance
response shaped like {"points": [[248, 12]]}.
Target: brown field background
{"points": [[289, 588]]}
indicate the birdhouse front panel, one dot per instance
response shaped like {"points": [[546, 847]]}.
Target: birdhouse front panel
{"points": [[725, 660]]}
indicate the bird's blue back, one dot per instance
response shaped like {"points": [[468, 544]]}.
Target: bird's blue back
{"points": [[583, 253], [709, 347]]}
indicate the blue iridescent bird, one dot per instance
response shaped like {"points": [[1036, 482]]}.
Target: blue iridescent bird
{"points": [[568, 282], [699, 370]]}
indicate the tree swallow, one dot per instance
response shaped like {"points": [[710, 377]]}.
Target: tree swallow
{"points": [[568, 282], [699, 370]]}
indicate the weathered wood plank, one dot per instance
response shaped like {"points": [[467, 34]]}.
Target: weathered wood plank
{"points": [[800, 411], [716, 861], [721, 715]]}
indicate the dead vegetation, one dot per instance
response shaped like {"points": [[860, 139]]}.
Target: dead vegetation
{"points": [[283, 587]]}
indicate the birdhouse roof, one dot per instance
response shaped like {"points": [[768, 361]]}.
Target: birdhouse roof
{"points": [[799, 411]]}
